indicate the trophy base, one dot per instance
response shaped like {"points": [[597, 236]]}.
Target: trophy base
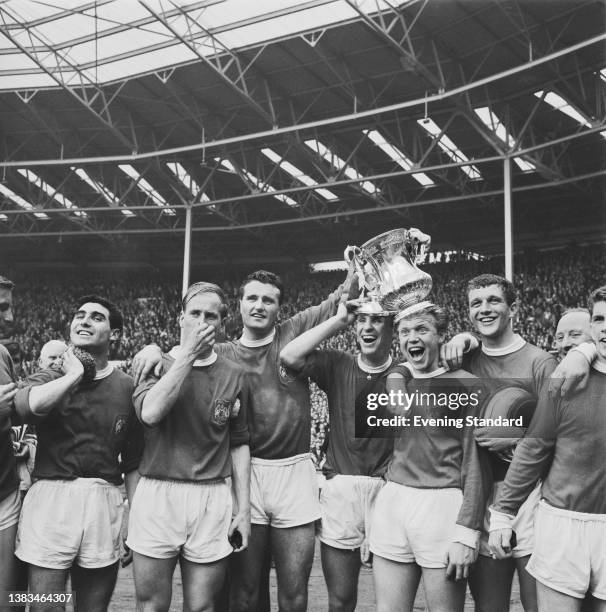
{"points": [[406, 296]]}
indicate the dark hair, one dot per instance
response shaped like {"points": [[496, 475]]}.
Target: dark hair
{"points": [[263, 276], [5, 283], [485, 280], [599, 295], [116, 321], [438, 313], [204, 287]]}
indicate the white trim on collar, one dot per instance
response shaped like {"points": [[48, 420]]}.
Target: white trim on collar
{"points": [[198, 363], [105, 372], [373, 369], [516, 345], [599, 366], [252, 343], [433, 374]]}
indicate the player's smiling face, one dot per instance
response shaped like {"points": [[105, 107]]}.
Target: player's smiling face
{"points": [[259, 307], [598, 329], [420, 342], [374, 335], [489, 312], [90, 328]]}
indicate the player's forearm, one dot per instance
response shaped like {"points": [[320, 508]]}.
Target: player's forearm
{"points": [[43, 398], [162, 396], [531, 457], [240, 458], [294, 353], [477, 484], [130, 484]]}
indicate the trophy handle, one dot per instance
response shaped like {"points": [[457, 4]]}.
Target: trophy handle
{"points": [[368, 275], [419, 245], [353, 257]]}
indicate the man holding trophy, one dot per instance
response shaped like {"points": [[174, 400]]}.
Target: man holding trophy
{"points": [[426, 519], [356, 458]]}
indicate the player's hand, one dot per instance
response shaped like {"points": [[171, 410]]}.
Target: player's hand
{"points": [[241, 523], [571, 375], [499, 542], [346, 312], [350, 288], [506, 440], [199, 340], [451, 353], [146, 361], [459, 559], [365, 554], [7, 395], [71, 366], [126, 558], [21, 451]]}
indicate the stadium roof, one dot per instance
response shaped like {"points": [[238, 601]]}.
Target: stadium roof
{"points": [[289, 128]]}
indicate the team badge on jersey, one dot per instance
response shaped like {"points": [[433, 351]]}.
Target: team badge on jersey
{"points": [[119, 425], [222, 411]]}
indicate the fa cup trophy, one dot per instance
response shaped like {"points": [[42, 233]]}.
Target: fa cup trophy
{"points": [[387, 270]]}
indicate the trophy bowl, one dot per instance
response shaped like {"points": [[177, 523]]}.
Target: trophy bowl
{"points": [[387, 269]]}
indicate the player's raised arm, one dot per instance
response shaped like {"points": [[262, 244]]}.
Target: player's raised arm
{"points": [[162, 396], [294, 353], [39, 399], [314, 315]]}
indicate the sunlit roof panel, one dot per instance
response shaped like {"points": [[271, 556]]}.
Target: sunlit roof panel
{"points": [[234, 23]]}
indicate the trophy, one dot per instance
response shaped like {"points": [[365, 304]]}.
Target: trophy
{"points": [[388, 273]]}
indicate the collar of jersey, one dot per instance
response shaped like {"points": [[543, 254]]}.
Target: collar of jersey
{"points": [[105, 372], [250, 343], [198, 363], [433, 374], [516, 345], [373, 370], [599, 366]]}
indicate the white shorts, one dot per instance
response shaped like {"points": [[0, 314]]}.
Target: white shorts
{"points": [[523, 524], [10, 507], [284, 492], [169, 518], [570, 551], [346, 503], [67, 521], [411, 525]]}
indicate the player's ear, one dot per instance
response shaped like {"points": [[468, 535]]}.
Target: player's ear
{"points": [[180, 319], [115, 335], [513, 309]]}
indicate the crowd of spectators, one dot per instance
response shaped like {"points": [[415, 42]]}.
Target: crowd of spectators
{"points": [[547, 283]]}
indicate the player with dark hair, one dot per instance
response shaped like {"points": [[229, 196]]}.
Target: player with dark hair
{"points": [[284, 489], [88, 436], [196, 442], [567, 438], [356, 459], [502, 359], [427, 519], [10, 500]]}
